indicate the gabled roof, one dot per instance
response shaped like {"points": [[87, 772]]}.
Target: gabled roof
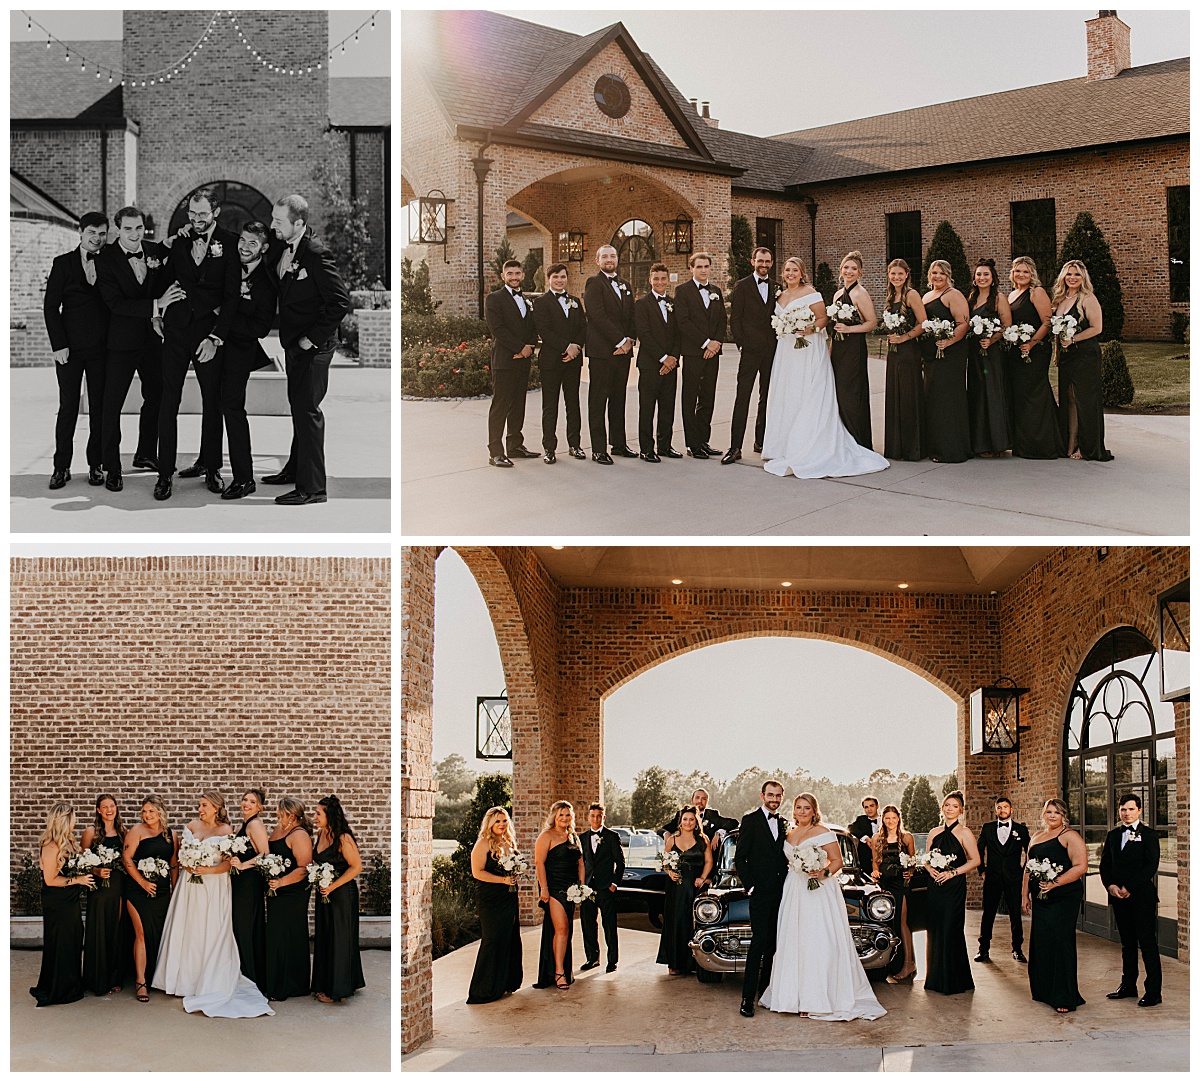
{"points": [[42, 86], [364, 102], [26, 200]]}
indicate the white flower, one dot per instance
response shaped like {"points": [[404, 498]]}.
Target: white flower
{"points": [[1018, 332], [809, 858], [153, 263], [934, 858], [1063, 327], [578, 892], [215, 249], [791, 321], [940, 329], [917, 860], [154, 867], [322, 875], [272, 866], [669, 861]]}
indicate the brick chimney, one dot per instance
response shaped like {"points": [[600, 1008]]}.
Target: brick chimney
{"points": [[1107, 46], [708, 119]]}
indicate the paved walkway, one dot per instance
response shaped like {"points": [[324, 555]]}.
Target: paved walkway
{"points": [[448, 488], [640, 1019], [358, 459]]}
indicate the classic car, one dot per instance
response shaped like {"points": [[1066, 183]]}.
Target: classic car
{"points": [[643, 887], [722, 912]]}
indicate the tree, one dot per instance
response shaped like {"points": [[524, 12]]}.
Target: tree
{"points": [[454, 777], [347, 221], [503, 254], [416, 295], [741, 249], [949, 785], [918, 805], [616, 803], [1085, 241], [824, 282], [532, 266], [653, 801], [492, 790], [947, 245]]}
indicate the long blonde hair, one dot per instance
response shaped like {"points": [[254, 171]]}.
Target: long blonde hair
{"points": [[156, 802], [572, 837], [851, 257], [60, 830], [218, 801], [1060, 283], [944, 267], [812, 801], [1034, 281], [295, 808], [485, 831]]}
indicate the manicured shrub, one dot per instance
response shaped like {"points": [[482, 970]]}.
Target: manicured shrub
{"points": [[1116, 383], [947, 245], [1085, 242]]}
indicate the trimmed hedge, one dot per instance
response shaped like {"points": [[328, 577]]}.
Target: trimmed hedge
{"points": [[1116, 382], [440, 330], [462, 371]]}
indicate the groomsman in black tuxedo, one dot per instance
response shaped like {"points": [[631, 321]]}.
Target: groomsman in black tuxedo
{"points": [[133, 278], [864, 828], [750, 312], [77, 323], [562, 327], [1002, 846], [1128, 865], [603, 869], [610, 337], [711, 820], [761, 866], [514, 334], [700, 312], [657, 364]]}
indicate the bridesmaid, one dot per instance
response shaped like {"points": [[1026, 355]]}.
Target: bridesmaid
{"points": [[286, 965], [904, 388], [1031, 401], [559, 860], [850, 355], [1053, 967], [498, 963], [1080, 395], [249, 890], [886, 847], [947, 422], [60, 979], [947, 964], [147, 900], [987, 387], [695, 866], [337, 967], [106, 946]]}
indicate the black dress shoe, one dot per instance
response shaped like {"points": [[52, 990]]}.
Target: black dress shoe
{"points": [[280, 478], [238, 489], [577, 452], [758, 448], [712, 452], [162, 490], [602, 458], [588, 965], [296, 498], [670, 452], [613, 969], [1149, 1001], [624, 452], [59, 478], [495, 460], [730, 456], [145, 462], [747, 1009], [1019, 957], [213, 482], [983, 956], [649, 456], [194, 470], [523, 452], [95, 476], [549, 458], [1122, 993], [113, 481], [697, 452]]}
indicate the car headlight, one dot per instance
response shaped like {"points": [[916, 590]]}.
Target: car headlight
{"points": [[708, 911], [881, 907]]}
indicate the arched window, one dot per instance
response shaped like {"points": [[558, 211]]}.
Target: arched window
{"points": [[634, 243], [239, 204], [1120, 739]]}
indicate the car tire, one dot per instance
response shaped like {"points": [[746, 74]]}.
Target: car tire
{"points": [[705, 976], [875, 976]]}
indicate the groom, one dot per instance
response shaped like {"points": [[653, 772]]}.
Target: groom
{"points": [[750, 312], [762, 867]]}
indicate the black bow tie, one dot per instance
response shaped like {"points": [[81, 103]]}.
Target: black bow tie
{"points": [[514, 292], [772, 815], [89, 256], [559, 295], [132, 255], [760, 281]]}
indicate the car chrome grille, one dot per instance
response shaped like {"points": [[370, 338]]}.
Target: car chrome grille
{"points": [[731, 944]]}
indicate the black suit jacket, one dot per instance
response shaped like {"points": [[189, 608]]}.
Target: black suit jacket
{"points": [[656, 339], [76, 317], [131, 305], [698, 324], [860, 827], [510, 333], [1003, 861], [759, 858], [711, 819], [558, 330], [312, 298], [750, 319], [1133, 867], [607, 865], [253, 315], [609, 320], [211, 285]]}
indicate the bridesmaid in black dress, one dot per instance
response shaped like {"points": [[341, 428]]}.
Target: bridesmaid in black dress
{"points": [[886, 847], [559, 860], [60, 979], [286, 966], [337, 967], [147, 900], [904, 387], [849, 356], [987, 385], [947, 422], [249, 890], [1080, 394], [695, 866], [1034, 412], [947, 964], [498, 963], [107, 954], [1053, 907]]}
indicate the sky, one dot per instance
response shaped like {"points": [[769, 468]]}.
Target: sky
{"points": [[792, 703]]}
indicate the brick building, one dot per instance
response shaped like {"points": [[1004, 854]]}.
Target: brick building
{"points": [[572, 626], [588, 139]]}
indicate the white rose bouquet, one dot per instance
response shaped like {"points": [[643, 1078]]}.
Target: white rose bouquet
{"points": [[109, 858], [983, 327], [81, 864], [516, 864], [1063, 329], [941, 329], [154, 867], [936, 859], [809, 858], [272, 866], [794, 320], [1017, 334], [1043, 872], [194, 853], [916, 861], [845, 313], [230, 847], [321, 875], [579, 892], [669, 861], [895, 323]]}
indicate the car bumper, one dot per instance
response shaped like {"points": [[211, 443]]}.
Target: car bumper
{"points": [[723, 949]]}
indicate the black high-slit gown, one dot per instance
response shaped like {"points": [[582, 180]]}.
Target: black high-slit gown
{"points": [[1080, 369], [60, 979], [677, 911], [1032, 408], [1053, 965], [249, 892], [947, 964], [562, 869], [337, 964], [152, 911], [286, 969], [498, 963], [947, 422], [107, 946], [904, 398], [849, 360]]}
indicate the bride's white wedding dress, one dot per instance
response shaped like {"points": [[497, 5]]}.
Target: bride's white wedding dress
{"points": [[816, 968], [199, 958], [805, 436]]}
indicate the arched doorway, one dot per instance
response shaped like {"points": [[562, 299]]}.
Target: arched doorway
{"points": [[239, 204], [634, 243], [1120, 739]]}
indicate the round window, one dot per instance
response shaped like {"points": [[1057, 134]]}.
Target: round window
{"points": [[612, 96]]}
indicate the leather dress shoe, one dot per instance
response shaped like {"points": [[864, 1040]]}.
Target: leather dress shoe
{"points": [[983, 956], [194, 470], [670, 452], [602, 457], [280, 478], [613, 969], [758, 448], [730, 456], [747, 1009], [624, 452], [697, 452], [213, 482], [649, 456], [113, 481], [549, 458], [95, 476], [59, 478], [1019, 957], [588, 965], [523, 452], [145, 462], [712, 452], [1122, 993], [296, 498], [577, 452], [238, 489], [162, 490], [1149, 1001], [498, 460]]}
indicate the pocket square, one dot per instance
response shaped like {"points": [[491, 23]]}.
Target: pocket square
{"points": [[302, 275]]}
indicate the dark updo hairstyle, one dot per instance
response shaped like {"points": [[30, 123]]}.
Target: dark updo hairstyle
{"points": [[992, 292], [698, 830], [335, 819]]}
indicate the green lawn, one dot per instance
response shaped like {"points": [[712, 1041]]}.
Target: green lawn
{"points": [[1161, 377]]}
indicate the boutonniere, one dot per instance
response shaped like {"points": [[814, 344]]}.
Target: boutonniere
{"points": [[152, 262], [714, 294], [624, 288], [572, 302], [1134, 838], [669, 306], [778, 292], [246, 289], [301, 274], [215, 249]]}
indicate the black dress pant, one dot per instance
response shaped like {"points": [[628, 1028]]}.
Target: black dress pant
{"points": [[764, 916], [605, 906], [179, 352], [307, 380], [699, 394], [995, 888], [118, 375], [609, 378], [235, 374], [506, 414], [754, 364], [1137, 924], [80, 364], [656, 391], [557, 376]]}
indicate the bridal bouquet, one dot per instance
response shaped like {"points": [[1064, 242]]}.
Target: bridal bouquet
{"points": [[1043, 872], [81, 864], [272, 866], [938, 860], [843, 312], [154, 867], [230, 847], [194, 853], [983, 327], [895, 323], [1063, 329], [322, 875], [809, 858], [940, 329], [516, 865], [579, 892], [109, 858], [669, 861], [794, 320]]}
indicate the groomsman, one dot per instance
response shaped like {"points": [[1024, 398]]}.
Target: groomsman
{"points": [[711, 820], [761, 866], [700, 311], [1128, 865], [312, 302], [77, 323], [610, 337], [751, 309], [1002, 846], [562, 327], [864, 828], [603, 869], [657, 364], [132, 278], [514, 334], [204, 261]]}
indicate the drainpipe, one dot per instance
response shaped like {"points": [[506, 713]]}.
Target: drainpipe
{"points": [[482, 167], [104, 169], [812, 221]]}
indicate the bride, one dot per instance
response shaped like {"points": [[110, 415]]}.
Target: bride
{"points": [[816, 971], [805, 435], [199, 958]]}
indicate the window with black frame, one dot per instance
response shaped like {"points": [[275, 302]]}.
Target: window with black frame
{"points": [[1178, 217], [768, 233], [904, 239], [1033, 234]]}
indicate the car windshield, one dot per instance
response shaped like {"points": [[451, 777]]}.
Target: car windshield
{"points": [[729, 848], [644, 850]]}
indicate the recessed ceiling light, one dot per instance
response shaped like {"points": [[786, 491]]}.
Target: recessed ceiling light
{"points": [[558, 548], [785, 584], [902, 585], [677, 582]]}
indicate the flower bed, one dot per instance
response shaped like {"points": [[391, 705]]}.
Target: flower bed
{"points": [[459, 371]]}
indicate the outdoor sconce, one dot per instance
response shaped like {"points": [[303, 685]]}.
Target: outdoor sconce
{"points": [[493, 727], [1174, 636], [996, 720], [677, 236], [572, 246], [430, 225]]}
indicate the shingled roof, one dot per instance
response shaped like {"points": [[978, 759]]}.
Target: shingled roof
{"points": [[363, 102], [42, 86]]}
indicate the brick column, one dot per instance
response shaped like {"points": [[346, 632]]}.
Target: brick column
{"points": [[1183, 813]]}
